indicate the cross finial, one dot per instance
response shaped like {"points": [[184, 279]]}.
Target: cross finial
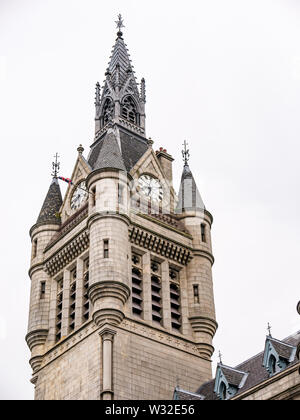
{"points": [[220, 357], [120, 24], [55, 166], [185, 153], [269, 329]]}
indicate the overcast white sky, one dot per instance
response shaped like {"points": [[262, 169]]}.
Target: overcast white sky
{"points": [[225, 75]]}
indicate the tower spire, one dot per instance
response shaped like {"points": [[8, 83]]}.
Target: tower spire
{"points": [[121, 99]]}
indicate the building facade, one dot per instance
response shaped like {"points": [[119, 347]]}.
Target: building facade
{"points": [[122, 303], [273, 374]]}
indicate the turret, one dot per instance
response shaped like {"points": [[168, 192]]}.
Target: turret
{"points": [[47, 224], [108, 226], [198, 221]]}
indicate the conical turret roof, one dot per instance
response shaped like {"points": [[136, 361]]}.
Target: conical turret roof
{"points": [[189, 197], [51, 205]]}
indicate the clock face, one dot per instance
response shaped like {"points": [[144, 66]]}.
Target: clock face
{"points": [[151, 187], [79, 196]]}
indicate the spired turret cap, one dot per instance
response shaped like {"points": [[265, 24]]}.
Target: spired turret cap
{"points": [[51, 205], [189, 197]]}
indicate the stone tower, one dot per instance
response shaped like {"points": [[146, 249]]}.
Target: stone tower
{"points": [[121, 302]]}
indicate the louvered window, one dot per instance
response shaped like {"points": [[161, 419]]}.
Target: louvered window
{"points": [[59, 303], [86, 302], [129, 110], [72, 301], [137, 285], [156, 292], [175, 300]]}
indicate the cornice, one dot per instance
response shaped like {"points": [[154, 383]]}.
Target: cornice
{"points": [[159, 244], [67, 253], [102, 215]]}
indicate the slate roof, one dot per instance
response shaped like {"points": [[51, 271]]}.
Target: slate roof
{"points": [[253, 366], [283, 350], [51, 205], [109, 155], [233, 376], [183, 395], [132, 149], [120, 62], [189, 197]]}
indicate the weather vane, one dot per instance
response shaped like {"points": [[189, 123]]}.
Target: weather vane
{"points": [[119, 23], [185, 153], [269, 329], [55, 166]]}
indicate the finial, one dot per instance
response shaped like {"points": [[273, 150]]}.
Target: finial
{"points": [[97, 97], [220, 357], [150, 142], [120, 25], [269, 329], [143, 90], [185, 153], [80, 149], [55, 166]]}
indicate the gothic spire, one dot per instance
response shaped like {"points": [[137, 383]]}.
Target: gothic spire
{"points": [[121, 97]]}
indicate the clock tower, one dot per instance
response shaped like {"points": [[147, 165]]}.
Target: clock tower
{"points": [[121, 303]]}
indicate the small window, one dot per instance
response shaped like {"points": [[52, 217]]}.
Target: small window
{"points": [[93, 196], [34, 248], [120, 194], [223, 393], [203, 236], [43, 290], [106, 248], [196, 293], [272, 365]]}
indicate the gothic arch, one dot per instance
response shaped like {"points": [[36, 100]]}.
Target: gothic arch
{"points": [[108, 111], [129, 110]]}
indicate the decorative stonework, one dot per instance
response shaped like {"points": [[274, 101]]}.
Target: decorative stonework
{"points": [[160, 336], [36, 338], [106, 292], [67, 254], [159, 245], [71, 341]]}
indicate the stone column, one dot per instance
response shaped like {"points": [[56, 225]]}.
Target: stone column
{"points": [[79, 294], [147, 297], [66, 303], [53, 312], [165, 291], [184, 302], [107, 338]]}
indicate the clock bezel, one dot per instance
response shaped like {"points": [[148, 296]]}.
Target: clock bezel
{"points": [[149, 197], [72, 194]]}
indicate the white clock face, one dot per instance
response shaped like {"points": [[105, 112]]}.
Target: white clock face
{"points": [[151, 187], [79, 196]]}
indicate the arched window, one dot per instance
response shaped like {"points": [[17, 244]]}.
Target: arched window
{"points": [[107, 112], [272, 364], [129, 111], [222, 392]]}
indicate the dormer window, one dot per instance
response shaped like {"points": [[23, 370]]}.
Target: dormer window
{"points": [[129, 111], [272, 365], [223, 393], [277, 355]]}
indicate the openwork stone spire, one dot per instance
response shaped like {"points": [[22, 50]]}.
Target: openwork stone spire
{"points": [[121, 100]]}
